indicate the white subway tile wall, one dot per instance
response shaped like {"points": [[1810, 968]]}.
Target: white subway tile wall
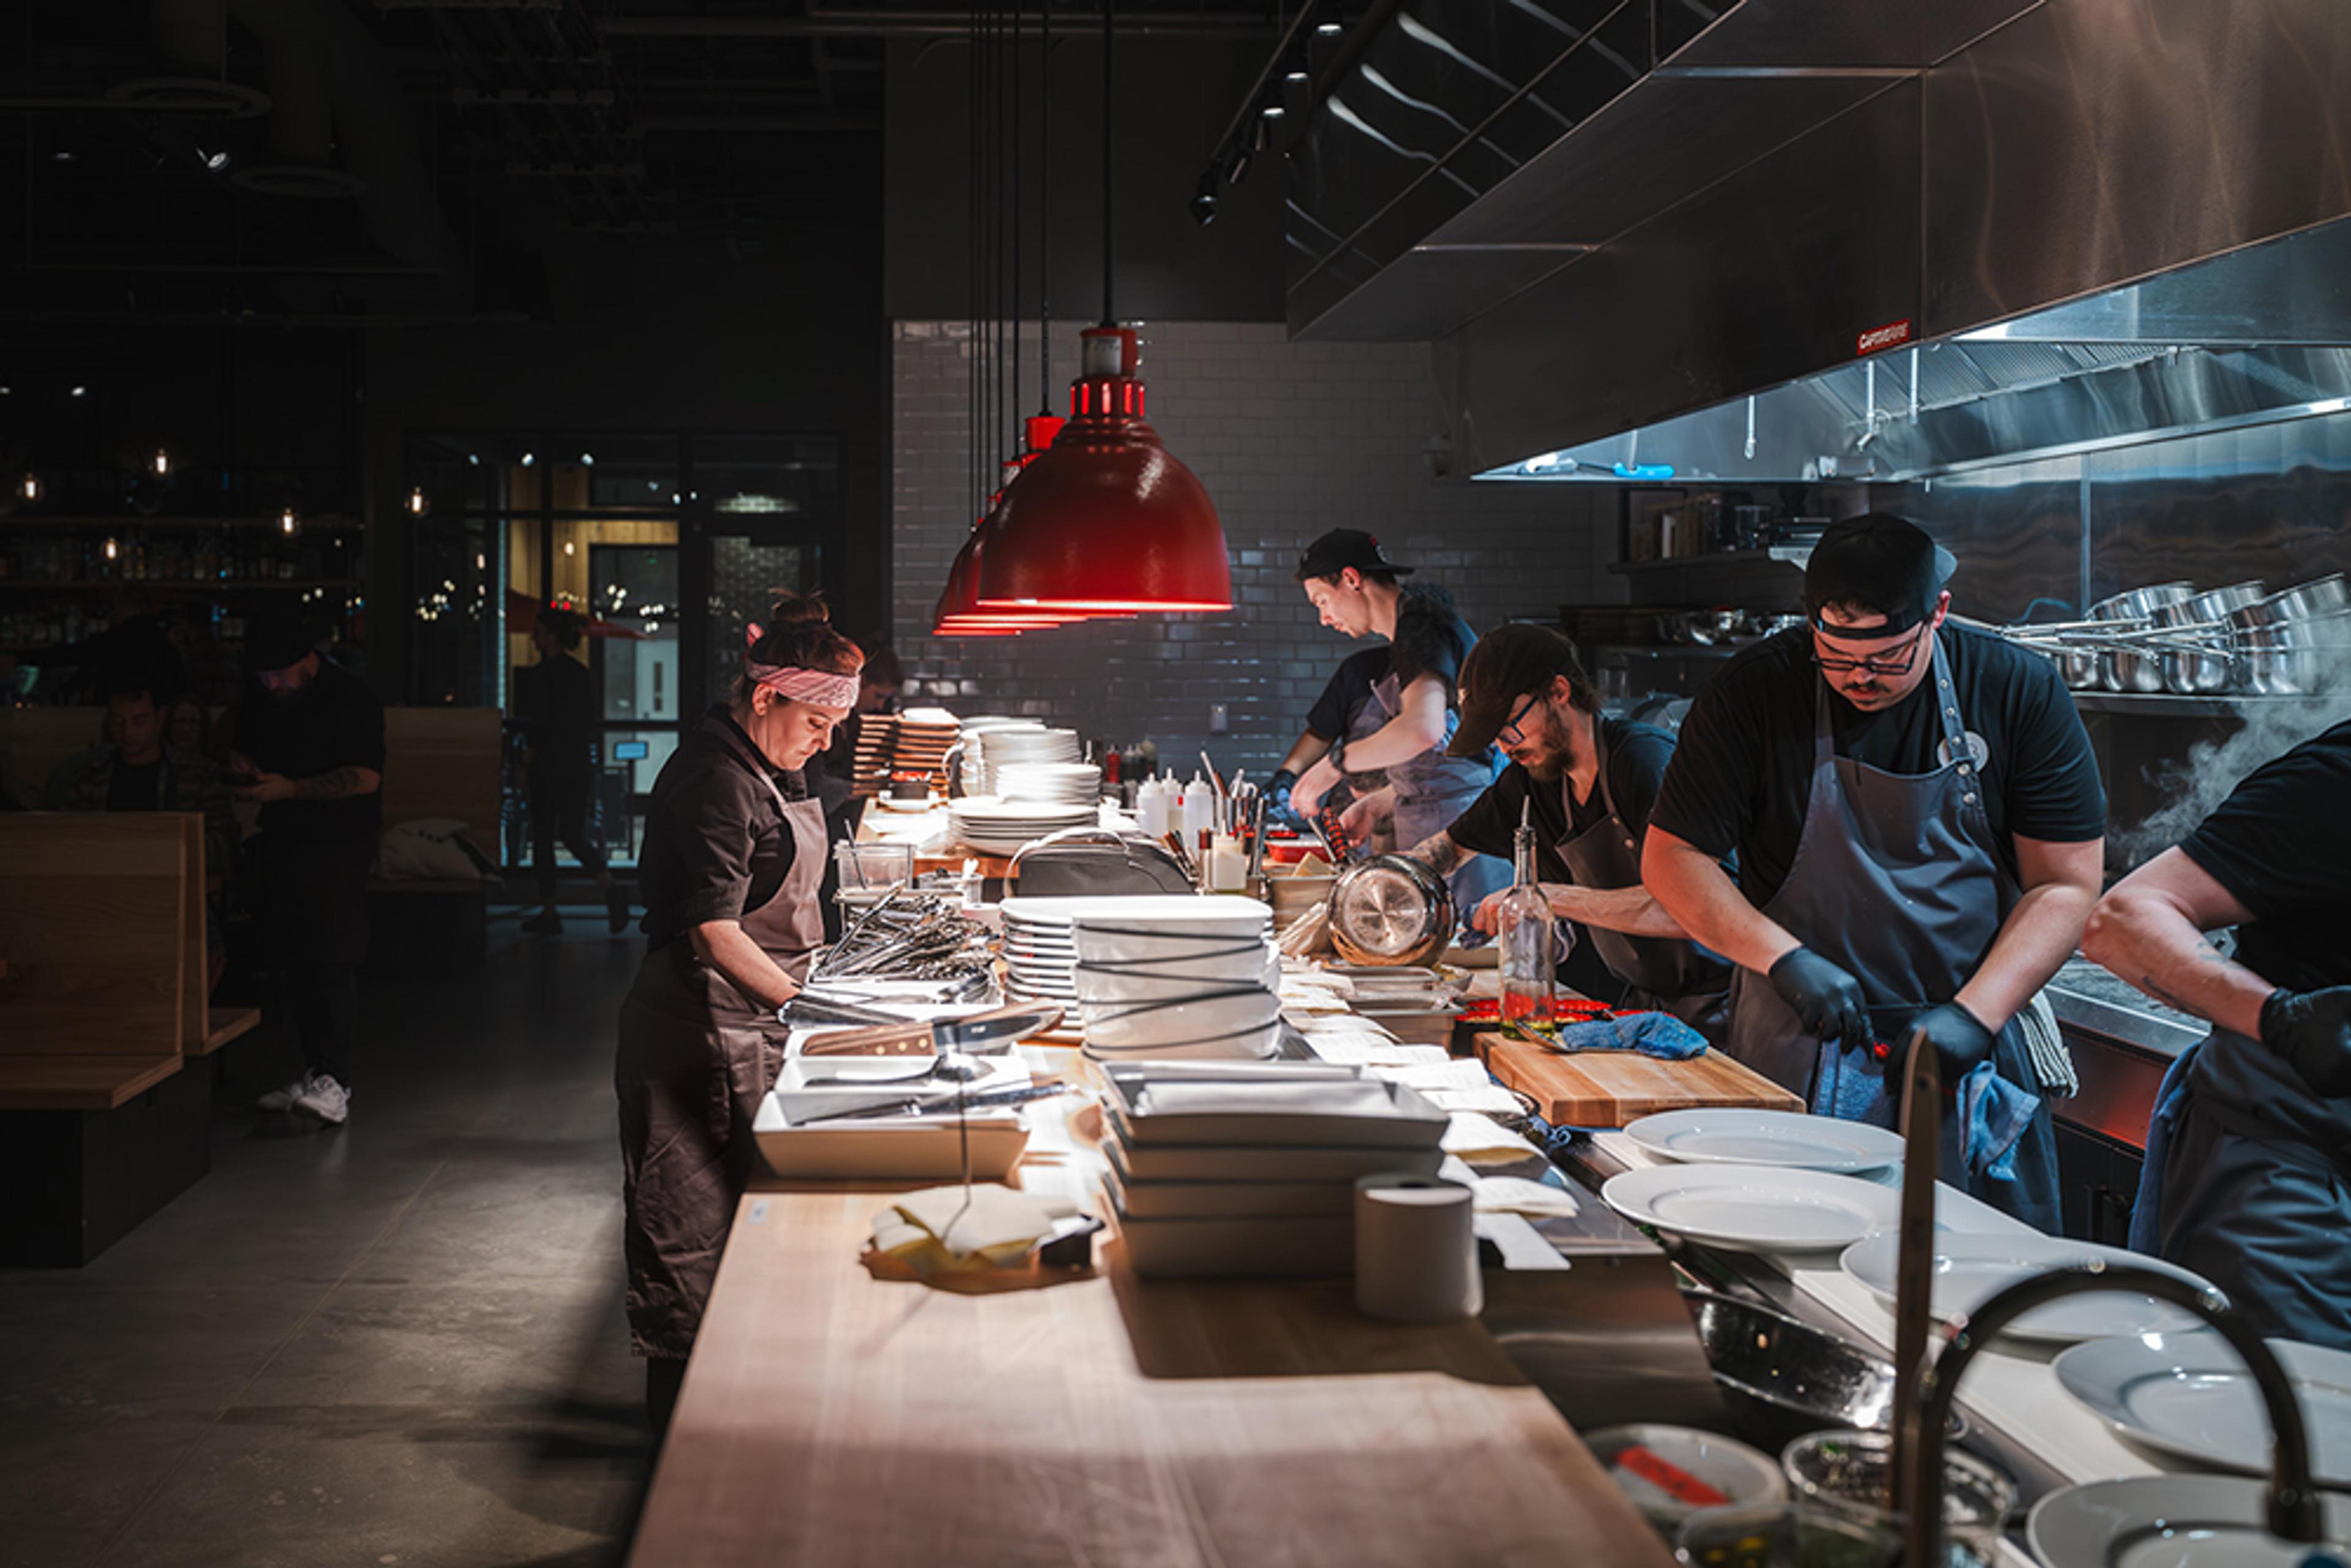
{"points": [[1291, 439]]}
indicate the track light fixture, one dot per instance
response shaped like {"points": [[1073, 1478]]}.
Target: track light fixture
{"points": [[1204, 199]]}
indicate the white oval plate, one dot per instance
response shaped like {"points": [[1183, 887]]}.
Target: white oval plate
{"points": [[1721, 1135], [1970, 1269], [2187, 1395], [1754, 1208], [2171, 1521]]}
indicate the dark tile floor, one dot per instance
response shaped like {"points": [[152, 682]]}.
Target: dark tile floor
{"points": [[399, 1342]]}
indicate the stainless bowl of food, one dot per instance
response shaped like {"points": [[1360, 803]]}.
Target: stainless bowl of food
{"points": [[2297, 658], [2139, 603], [2138, 670], [1782, 1378], [2302, 602]]}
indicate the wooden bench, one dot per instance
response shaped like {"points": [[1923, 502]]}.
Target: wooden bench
{"points": [[443, 762], [102, 931]]}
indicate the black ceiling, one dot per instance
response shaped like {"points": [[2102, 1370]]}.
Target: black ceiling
{"points": [[398, 159]]}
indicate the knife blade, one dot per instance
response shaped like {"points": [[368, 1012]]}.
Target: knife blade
{"points": [[926, 1037], [942, 1104], [1914, 1268]]}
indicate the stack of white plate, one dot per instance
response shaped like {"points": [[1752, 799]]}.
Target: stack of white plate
{"points": [[1059, 783], [925, 736], [877, 740], [1178, 977], [972, 776], [991, 752], [1002, 826]]}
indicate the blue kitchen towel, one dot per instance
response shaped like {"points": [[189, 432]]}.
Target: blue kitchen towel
{"points": [[1994, 1114], [1660, 1035], [1984, 1124]]}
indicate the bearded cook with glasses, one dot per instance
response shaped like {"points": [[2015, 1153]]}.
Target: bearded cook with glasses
{"points": [[1919, 830]]}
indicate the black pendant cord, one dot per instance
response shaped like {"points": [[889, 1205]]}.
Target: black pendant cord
{"points": [[975, 495], [1110, 15], [1044, 206], [1012, 313]]}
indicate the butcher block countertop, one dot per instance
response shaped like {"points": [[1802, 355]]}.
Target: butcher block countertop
{"points": [[833, 1417], [1614, 1087]]}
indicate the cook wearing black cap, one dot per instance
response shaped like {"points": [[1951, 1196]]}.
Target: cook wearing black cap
{"points": [[1918, 824], [1403, 723], [307, 741], [1587, 782]]}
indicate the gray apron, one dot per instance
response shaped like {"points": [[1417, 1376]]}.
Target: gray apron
{"points": [[1367, 719], [2248, 1182], [1667, 973], [1432, 790], [696, 1057], [1895, 881]]}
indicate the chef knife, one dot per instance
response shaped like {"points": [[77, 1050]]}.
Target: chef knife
{"points": [[973, 1032], [942, 1104], [1914, 1266]]}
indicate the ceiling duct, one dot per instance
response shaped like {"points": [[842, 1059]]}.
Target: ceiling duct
{"points": [[1722, 260]]}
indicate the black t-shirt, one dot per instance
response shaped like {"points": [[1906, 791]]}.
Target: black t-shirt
{"points": [[1637, 755], [134, 787], [2280, 844], [1333, 713], [717, 842], [1431, 638], [556, 700], [334, 722], [1741, 775]]}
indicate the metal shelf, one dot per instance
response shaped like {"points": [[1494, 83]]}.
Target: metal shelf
{"points": [[2163, 705], [1777, 555]]}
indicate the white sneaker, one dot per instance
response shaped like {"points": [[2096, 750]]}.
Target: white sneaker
{"points": [[324, 1099], [281, 1099]]}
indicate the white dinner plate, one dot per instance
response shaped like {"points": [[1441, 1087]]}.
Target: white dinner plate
{"points": [[2187, 1395], [1969, 1270], [1723, 1135], [1756, 1208], [2171, 1521]]}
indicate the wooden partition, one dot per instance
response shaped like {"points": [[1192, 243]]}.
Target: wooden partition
{"points": [[445, 762], [33, 741], [101, 930]]}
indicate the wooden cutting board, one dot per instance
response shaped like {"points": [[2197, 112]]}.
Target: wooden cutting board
{"points": [[1609, 1089]]}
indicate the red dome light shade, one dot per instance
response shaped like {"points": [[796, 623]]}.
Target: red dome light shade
{"points": [[959, 613], [1106, 521]]}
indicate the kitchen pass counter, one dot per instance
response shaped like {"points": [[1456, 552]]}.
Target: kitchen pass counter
{"points": [[833, 1417]]}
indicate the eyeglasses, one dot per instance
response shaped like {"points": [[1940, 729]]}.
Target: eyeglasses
{"points": [[1510, 731], [1876, 665]]}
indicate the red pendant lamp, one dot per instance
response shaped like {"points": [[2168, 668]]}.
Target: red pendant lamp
{"points": [[959, 613], [1107, 521]]}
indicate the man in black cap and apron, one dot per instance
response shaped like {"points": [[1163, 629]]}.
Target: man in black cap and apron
{"points": [[306, 740], [2247, 1172], [1347, 711], [1587, 783], [733, 854], [1358, 591], [1919, 829]]}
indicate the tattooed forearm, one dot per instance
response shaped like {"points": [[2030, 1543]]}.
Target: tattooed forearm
{"points": [[1438, 853], [340, 785]]}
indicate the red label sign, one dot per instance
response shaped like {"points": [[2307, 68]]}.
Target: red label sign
{"points": [[1884, 337]]}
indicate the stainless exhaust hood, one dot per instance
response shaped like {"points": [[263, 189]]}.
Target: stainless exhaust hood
{"points": [[1791, 239]]}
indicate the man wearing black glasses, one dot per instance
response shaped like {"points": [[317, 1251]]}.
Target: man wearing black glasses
{"points": [[1919, 828]]}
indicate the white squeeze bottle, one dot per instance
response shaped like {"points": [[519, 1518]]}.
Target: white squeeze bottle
{"points": [[1200, 810], [1150, 807]]}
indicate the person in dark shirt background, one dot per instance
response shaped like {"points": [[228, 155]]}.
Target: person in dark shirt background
{"points": [[139, 769], [1357, 591], [556, 701], [2248, 1172], [306, 740]]}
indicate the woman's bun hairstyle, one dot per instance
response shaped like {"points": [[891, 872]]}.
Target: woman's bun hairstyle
{"points": [[799, 634]]}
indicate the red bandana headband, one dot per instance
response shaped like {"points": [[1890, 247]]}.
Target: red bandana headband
{"points": [[821, 687]]}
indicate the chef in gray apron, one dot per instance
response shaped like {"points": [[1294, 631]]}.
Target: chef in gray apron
{"points": [[1357, 591], [2248, 1172], [1345, 712], [1895, 912], [734, 855], [1523, 687]]}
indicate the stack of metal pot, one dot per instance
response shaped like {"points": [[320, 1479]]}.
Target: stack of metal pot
{"points": [[2238, 640]]}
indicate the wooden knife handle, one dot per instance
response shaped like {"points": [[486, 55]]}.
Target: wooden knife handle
{"points": [[912, 1038]]}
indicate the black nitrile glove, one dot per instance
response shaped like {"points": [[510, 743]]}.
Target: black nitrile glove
{"points": [[2312, 1029], [1277, 801], [1959, 1041], [1825, 999]]}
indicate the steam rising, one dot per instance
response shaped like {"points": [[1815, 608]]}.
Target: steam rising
{"points": [[2212, 770]]}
